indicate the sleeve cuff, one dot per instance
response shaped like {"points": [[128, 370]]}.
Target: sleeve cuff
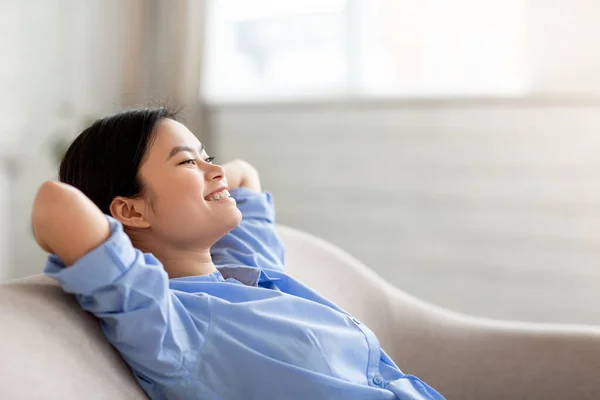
{"points": [[99, 267], [253, 204]]}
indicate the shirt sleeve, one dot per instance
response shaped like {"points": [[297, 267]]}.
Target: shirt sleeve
{"points": [[128, 291], [254, 242]]}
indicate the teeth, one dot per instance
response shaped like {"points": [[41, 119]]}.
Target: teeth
{"points": [[221, 195]]}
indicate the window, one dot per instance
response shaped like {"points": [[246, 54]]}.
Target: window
{"points": [[262, 49]]}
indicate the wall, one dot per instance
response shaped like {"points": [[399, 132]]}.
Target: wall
{"points": [[10, 17], [4, 227], [487, 207], [70, 68]]}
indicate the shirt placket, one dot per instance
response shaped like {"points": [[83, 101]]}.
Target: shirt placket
{"points": [[373, 376]]}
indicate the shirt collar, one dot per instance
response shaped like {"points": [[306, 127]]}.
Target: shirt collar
{"points": [[249, 276]]}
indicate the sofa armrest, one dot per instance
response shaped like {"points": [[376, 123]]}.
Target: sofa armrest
{"points": [[476, 358]]}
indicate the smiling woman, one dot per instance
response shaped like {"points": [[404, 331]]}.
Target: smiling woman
{"points": [[186, 272], [160, 195]]}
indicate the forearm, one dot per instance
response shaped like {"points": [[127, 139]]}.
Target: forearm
{"points": [[67, 223], [251, 180]]}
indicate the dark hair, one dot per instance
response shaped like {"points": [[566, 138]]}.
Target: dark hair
{"points": [[104, 160]]}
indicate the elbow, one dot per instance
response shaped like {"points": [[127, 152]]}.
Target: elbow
{"points": [[45, 199], [66, 222], [52, 209], [50, 196]]}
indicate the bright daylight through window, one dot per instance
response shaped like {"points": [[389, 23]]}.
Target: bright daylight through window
{"points": [[263, 49]]}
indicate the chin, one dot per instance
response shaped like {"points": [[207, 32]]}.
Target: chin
{"points": [[232, 220]]}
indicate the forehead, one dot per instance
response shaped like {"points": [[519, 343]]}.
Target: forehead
{"points": [[169, 134]]}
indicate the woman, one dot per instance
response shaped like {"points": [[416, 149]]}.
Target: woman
{"points": [[179, 260]]}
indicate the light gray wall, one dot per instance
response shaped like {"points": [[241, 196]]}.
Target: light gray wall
{"points": [[486, 207], [4, 226], [70, 67]]}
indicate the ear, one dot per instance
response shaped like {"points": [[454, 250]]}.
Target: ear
{"points": [[132, 213]]}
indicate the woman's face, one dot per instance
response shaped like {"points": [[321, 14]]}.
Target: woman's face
{"points": [[179, 179]]}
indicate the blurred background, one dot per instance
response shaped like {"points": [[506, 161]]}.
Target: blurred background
{"points": [[452, 146]]}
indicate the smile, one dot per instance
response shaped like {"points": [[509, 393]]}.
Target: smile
{"points": [[222, 194]]}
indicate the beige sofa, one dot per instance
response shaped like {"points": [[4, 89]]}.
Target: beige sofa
{"points": [[50, 349]]}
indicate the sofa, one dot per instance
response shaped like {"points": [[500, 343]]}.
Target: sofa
{"points": [[51, 349]]}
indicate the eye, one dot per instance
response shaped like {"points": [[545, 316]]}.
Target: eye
{"points": [[190, 161], [209, 160]]}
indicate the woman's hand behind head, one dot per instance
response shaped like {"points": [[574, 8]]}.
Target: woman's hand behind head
{"points": [[240, 173]]}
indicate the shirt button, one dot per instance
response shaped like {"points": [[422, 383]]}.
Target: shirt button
{"points": [[377, 380]]}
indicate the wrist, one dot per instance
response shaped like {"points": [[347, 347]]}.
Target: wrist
{"points": [[240, 173], [251, 179]]}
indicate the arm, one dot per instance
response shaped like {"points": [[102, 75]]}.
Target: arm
{"points": [[254, 242], [240, 173], [128, 291], [66, 223]]}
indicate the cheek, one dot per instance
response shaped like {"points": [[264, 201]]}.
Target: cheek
{"points": [[183, 186], [177, 195], [187, 202]]}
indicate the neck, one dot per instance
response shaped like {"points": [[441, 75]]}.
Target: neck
{"points": [[186, 262], [178, 262]]}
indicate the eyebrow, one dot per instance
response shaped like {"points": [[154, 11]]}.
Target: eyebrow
{"points": [[179, 149]]}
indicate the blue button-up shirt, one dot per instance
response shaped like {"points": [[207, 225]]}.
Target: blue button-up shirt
{"points": [[247, 331]]}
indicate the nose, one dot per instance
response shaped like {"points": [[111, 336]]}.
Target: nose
{"points": [[214, 172]]}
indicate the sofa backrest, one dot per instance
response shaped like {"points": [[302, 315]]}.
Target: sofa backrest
{"points": [[51, 349]]}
